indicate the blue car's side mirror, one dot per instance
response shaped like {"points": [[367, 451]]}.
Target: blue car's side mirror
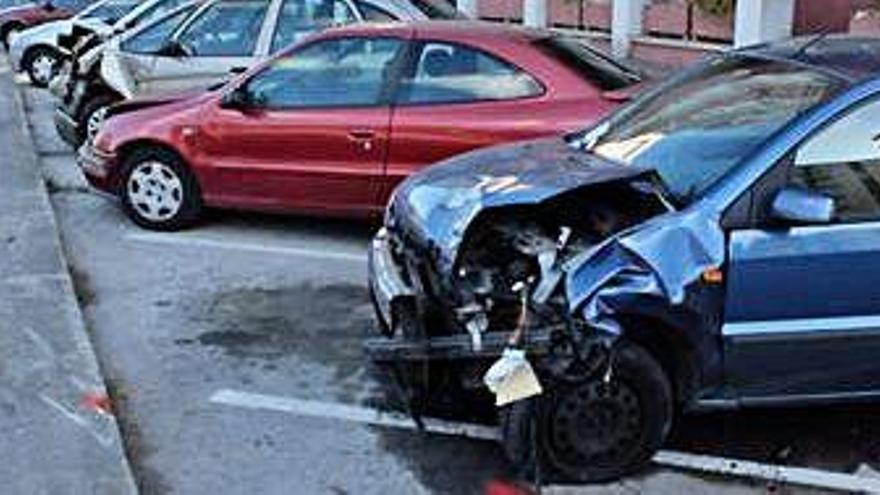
{"points": [[795, 205]]}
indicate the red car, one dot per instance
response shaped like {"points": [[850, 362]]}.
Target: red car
{"points": [[333, 124], [31, 14]]}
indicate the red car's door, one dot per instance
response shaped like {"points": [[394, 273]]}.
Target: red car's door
{"points": [[309, 132], [456, 98]]}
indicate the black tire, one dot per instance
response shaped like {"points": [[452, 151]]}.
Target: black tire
{"points": [[29, 60], [7, 30], [92, 105], [167, 163], [636, 405]]}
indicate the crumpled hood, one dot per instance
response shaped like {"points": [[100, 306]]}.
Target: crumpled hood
{"points": [[437, 205], [655, 260]]}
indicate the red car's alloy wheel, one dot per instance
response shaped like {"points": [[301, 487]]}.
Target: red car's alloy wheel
{"points": [[158, 190], [155, 191]]}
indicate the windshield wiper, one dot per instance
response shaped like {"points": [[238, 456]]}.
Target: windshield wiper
{"points": [[585, 140], [654, 185], [802, 50]]}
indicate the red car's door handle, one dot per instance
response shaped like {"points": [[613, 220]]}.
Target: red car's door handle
{"points": [[361, 134], [363, 138]]}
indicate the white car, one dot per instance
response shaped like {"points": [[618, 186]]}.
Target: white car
{"points": [[37, 52], [199, 45]]}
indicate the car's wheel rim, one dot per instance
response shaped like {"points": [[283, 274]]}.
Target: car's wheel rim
{"points": [[94, 122], [596, 424], [155, 191], [43, 67]]}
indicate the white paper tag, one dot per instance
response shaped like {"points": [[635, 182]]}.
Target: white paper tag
{"points": [[512, 378]]}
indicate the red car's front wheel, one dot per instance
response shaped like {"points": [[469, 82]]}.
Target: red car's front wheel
{"points": [[158, 191]]}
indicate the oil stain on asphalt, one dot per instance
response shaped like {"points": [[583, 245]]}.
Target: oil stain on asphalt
{"points": [[322, 323], [327, 324]]}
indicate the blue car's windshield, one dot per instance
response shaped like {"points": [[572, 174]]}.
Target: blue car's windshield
{"points": [[697, 128]]}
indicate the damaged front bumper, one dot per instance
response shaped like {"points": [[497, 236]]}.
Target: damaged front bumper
{"points": [[388, 284], [393, 294], [451, 347], [66, 126], [96, 166], [70, 101]]}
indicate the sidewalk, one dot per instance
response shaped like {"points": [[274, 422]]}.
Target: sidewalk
{"points": [[55, 435]]}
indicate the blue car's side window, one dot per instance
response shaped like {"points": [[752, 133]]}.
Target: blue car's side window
{"points": [[843, 162]]}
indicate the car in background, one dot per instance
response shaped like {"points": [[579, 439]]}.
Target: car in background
{"points": [[18, 18], [203, 47], [713, 244], [35, 50], [331, 126], [44, 50], [6, 4]]}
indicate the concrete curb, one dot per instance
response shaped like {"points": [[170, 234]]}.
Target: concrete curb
{"points": [[59, 434]]}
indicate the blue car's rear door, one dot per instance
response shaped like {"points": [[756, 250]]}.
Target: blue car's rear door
{"points": [[802, 316]]}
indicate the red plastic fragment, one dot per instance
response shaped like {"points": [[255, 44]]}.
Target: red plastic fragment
{"points": [[501, 487], [98, 402]]}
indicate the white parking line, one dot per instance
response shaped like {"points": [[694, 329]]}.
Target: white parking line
{"points": [[353, 414], [817, 478], [190, 240]]}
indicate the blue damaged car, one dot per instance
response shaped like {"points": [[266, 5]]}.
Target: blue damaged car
{"points": [[715, 243]]}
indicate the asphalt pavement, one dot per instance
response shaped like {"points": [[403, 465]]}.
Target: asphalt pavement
{"points": [[270, 310]]}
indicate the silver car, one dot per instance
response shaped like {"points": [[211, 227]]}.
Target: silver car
{"points": [[197, 49], [35, 50], [226, 35]]}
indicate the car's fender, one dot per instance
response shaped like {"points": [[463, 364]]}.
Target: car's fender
{"points": [[43, 34], [657, 272], [659, 258], [116, 73]]}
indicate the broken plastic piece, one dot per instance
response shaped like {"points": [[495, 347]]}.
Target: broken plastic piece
{"points": [[713, 275], [512, 378], [98, 402], [476, 326]]}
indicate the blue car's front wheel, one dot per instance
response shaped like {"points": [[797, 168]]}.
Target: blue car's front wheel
{"points": [[596, 429]]}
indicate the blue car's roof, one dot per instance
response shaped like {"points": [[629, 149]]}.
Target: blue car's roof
{"points": [[851, 57]]}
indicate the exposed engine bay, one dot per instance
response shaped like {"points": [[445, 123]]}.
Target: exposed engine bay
{"points": [[524, 294], [512, 265], [507, 291]]}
